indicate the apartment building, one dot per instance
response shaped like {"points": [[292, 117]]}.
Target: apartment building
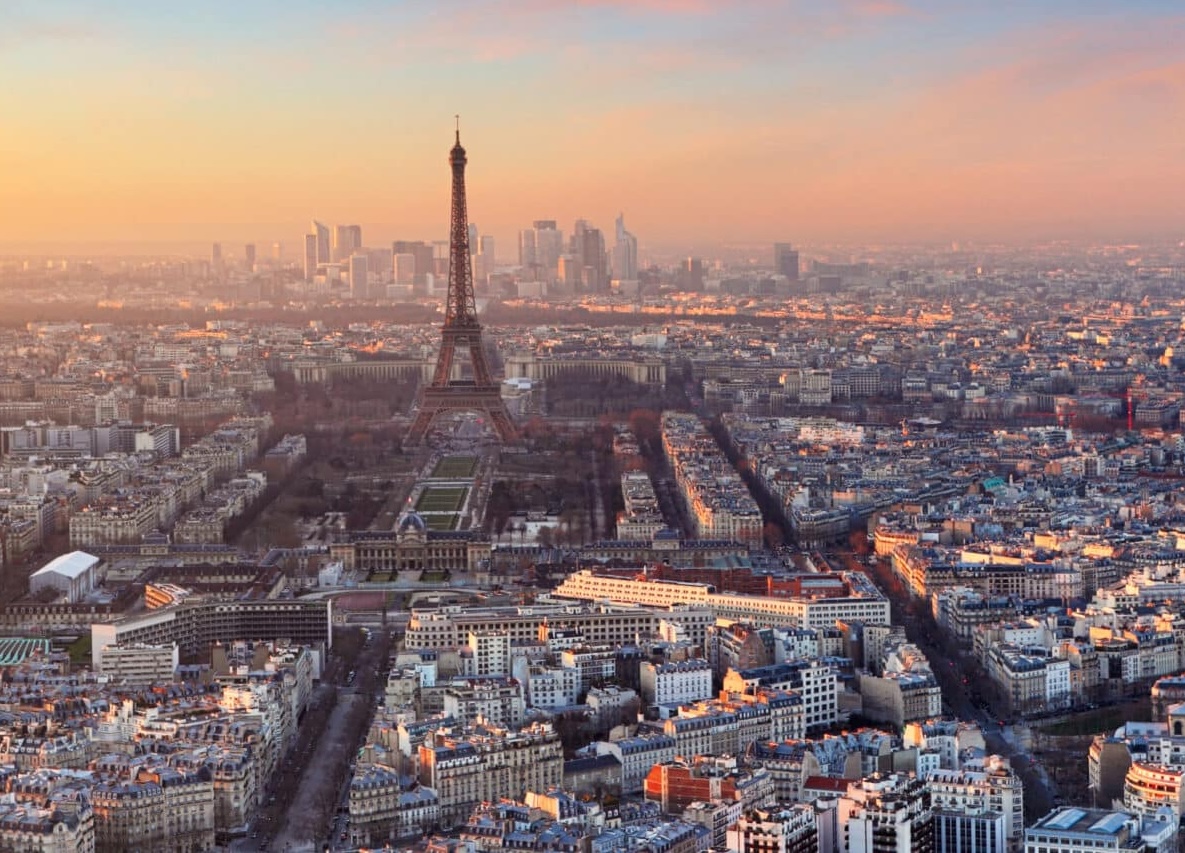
{"points": [[487, 763]]}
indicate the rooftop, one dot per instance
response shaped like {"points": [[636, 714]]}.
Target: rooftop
{"points": [[70, 565]]}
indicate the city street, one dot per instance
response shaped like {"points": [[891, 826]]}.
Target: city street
{"points": [[950, 669], [304, 815]]}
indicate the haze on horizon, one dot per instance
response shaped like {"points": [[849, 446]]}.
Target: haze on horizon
{"points": [[744, 121]]}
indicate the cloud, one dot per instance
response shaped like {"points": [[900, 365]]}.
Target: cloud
{"points": [[18, 28]]}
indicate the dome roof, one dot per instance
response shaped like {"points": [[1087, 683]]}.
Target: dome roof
{"points": [[412, 521]]}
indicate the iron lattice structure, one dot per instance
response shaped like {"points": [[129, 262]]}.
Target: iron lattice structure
{"points": [[461, 331]]}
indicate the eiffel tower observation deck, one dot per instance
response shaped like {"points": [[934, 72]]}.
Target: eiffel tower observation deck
{"points": [[460, 333]]}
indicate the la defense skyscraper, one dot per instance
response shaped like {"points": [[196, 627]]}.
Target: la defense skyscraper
{"points": [[461, 332], [625, 252]]}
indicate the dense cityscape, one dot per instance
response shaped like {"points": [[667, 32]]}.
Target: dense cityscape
{"points": [[778, 553], [819, 489]]}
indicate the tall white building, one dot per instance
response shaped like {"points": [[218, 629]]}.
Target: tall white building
{"points": [[788, 830], [676, 683], [625, 253], [310, 256], [886, 814], [359, 276], [549, 246], [321, 234], [347, 239], [996, 789], [526, 249], [404, 268], [491, 652]]}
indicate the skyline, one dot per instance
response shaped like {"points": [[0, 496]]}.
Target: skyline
{"points": [[866, 120]]}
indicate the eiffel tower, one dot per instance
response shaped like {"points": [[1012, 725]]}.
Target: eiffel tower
{"points": [[460, 331]]}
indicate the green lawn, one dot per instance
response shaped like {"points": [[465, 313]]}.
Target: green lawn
{"points": [[80, 650], [1101, 719], [455, 467], [442, 499], [442, 521]]}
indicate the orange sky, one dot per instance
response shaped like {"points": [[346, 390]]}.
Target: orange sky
{"points": [[701, 121]]}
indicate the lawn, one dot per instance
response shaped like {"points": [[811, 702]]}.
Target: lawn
{"points": [[442, 499], [442, 521], [455, 467], [1105, 719], [80, 651]]}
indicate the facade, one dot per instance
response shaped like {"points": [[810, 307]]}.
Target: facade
{"points": [[1148, 788], [491, 652], [968, 831], [887, 814], [677, 784], [495, 700], [787, 830], [374, 794], [637, 755], [411, 547], [62, 825], [814, 681], [137, 663], [676, 683], [602, 624], [862, 601], [487, 763], [195, 628], [996, 790], [167, 811]]}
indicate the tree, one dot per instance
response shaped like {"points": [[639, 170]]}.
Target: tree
{"points": [[646, 425]]}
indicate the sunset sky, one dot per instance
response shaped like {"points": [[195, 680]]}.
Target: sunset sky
{"points": [[702, 120]]}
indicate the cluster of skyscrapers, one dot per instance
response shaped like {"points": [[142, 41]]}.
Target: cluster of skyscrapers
{"points": [[581, 264], [337, 255]]}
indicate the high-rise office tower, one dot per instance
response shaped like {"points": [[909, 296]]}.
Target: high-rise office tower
{"points": [[310, 256], [277, 253], [424, 254], [473, 236], [321, 232], [381, 266], [549, 245], [587, 247], [526, 249], [625, 252], [347, 239], [216, 257], [691, 275], [786, 261], [249, 256], [405, 268], [359, 275]]}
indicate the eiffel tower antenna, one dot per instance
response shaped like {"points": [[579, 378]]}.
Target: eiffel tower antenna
{"points": [[460, 331]]}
